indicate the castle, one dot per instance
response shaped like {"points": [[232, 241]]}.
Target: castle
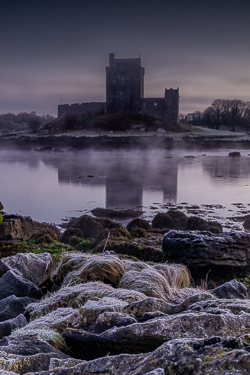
{"points": [[125, 93]]}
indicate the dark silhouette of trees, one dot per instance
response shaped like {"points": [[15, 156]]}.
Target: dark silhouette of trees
{"points": [[34, 124], [234, 113]]}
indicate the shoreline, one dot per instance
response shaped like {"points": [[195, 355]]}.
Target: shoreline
{"points": [[120, 140]]}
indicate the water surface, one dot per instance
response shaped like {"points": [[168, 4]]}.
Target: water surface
{"points": [[54, 186]]}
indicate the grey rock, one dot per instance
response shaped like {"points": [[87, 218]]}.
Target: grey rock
{"points": [[12, 283], [236, 306], [231, 290], [12, 306], [181, 356], [203, 249], [108, 320], [151, 305], [27, 354], [57, 319], [33, 267], [147, 336], [9, 325]]}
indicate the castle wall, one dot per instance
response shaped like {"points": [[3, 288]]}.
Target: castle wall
{"points": [[82, 108], [153, 107]]}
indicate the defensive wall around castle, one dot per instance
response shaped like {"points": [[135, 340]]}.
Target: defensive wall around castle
{"points": [[82, 108]]}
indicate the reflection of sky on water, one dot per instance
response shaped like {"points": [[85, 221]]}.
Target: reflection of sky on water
{"points": [[52, 187]]}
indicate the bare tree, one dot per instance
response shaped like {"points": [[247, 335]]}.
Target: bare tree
{"points": [[34, 124]]}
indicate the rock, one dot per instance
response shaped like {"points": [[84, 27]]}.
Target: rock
{"points": [[149, 335], [10, 325], [231, 290], [57, 319], [110, 319], [92, 226], [91, 310], [193, 249], [139, 223], [34, 267], [139, 308], [3, 268], [215, 305], [20, 228], [173, 219], [16, 227], [234, 154], [215, 356], [71, 232], [246, 223], [197, 223], [12, 306], [24, 354], [12, 283]]}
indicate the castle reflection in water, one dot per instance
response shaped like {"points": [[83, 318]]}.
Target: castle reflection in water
{"points": [[125, 178]]}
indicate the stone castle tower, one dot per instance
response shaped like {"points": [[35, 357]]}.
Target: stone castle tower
{"points": [[125, 93], [124, 84]]}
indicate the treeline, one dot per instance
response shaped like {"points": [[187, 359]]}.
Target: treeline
{"points": [[231, 113], [22, 121]]}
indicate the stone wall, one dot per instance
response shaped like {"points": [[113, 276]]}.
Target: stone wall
{"points": [[153, 107], [82, 108]]}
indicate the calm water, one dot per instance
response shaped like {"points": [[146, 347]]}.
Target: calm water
{"points": [[54, 186]]}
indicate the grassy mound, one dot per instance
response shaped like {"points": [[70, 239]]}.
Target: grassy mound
{"points": [[177, 275]]}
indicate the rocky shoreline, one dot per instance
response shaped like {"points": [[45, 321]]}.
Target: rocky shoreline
{"points": [[113, 140], [99, 298]]}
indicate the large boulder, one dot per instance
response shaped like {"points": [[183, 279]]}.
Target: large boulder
{"points": [[10, 325], [57, 319], [139, 223], [27, 354], [173, 219], [12, 306], [33, 267], [197, 223], [12, 283], [217, 356], [149, 335], [231, 290], [202, 249], [92, 226], [22, 228]]}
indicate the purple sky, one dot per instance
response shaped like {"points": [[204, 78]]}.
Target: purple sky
{"points": [[55, 48]]}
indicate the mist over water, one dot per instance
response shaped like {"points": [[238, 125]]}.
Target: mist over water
{"points": [[54, 186]]}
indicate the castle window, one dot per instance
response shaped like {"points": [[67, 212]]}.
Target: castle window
{"points": [[155, 104], [121, 93], [144, 104]]}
